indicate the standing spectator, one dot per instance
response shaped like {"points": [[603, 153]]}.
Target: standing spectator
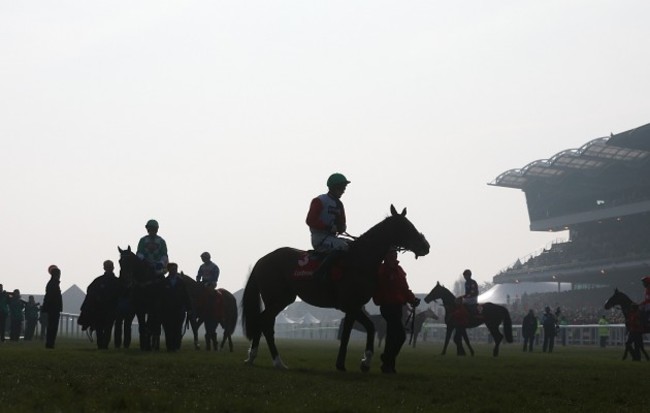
{"points": [[528, 329], [603, 331], [549, 323], [563, 322], [208, 271], [4, 312], [391, 294], [32, 309], [177, 302], [52, 305], [16, 315]]}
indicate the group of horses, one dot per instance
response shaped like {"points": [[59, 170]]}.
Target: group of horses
{"points": [[140, 296], [273, 285]]}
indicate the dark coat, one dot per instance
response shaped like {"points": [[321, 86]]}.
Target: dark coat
{"points": [[53, 301], [529, 326]]}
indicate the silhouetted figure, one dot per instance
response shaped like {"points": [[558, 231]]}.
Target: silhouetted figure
{"points": [[32, 311], [208, 273], [100, 306], [391, 294], [4, 312], [124, 316], [528, 329], [549, 323], [52, 305], [176, 303], [16, 315]]}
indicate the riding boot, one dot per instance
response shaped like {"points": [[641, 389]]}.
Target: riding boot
{"points": [[322, 272]]}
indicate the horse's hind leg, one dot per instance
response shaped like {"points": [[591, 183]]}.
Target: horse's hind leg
{"points": [[370, 341], [348, 322], [268, 329], [447, 338], [498, 337]]}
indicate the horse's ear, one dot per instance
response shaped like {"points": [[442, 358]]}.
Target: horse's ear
{"points": [[437, 282], [393, 211], [119, 249], [128, 248], [403, 212]]}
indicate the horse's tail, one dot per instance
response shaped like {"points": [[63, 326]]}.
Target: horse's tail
{"points": [[251, 308], [507, 325], [230, 312]]}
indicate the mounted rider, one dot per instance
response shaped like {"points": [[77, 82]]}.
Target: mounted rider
{"points": [[470, 299], [208, 273], [153, 249], [326, 220]]}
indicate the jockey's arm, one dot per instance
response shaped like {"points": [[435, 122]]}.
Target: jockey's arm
{"points": [[313, 216]]}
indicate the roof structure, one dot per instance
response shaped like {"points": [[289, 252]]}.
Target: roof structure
{"points": [[597, 154]]}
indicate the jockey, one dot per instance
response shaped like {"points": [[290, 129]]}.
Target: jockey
{"points": [[326, 220], [153, 249], [471, 292], [208, 272]]}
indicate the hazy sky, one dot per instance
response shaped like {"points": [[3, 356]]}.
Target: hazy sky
{"points": [[223, 119]]}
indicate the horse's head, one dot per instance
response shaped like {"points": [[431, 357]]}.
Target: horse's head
{"points": [[439, 292], [405, 235], [618, 298], [132, 268]]}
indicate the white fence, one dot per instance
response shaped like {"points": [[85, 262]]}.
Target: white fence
{"points": [[581, 335]]}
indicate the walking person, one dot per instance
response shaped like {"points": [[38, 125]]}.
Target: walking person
{"points": [[52, 305], [391, 295], [528, 329]]}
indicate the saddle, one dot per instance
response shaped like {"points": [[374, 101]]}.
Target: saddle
{"points": [[310, 261]]}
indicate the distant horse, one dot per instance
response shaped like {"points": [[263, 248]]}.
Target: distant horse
{"points": [[491, 314], [145, 287], [634, 343], [420, 318], [380, 325], [212, 308], [274, 280]]}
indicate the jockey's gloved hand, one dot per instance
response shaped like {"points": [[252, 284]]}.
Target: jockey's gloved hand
{"points": [[416, 302]]}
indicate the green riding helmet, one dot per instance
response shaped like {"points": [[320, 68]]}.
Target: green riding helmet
{"points": [[337, 179], [152, 223]]}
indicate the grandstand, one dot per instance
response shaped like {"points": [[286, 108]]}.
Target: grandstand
{"points": [[600, 194]]}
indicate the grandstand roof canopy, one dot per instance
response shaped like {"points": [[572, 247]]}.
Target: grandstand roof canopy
{"points": [[597, 154]]}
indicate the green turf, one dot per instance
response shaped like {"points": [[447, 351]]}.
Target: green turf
{"points": [[75, 377]]}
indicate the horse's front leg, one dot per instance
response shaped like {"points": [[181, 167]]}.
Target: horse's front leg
{"points": [[450, 330], [458, 340], [348, 322], [370, 340], [469, 346]]}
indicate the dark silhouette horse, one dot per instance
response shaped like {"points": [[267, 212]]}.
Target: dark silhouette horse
{"points": [[491, 314], [634, 343], [212, 308], [274, 280], [145, 289], [380, 325], [420, 318]]}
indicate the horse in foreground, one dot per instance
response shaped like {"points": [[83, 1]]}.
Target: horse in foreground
{"points": [[634, 343], [145, 289], [212, 308], [491, 314], [277, 281]]}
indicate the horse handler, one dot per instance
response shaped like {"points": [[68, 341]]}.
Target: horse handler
{"points": [[392, 293]]}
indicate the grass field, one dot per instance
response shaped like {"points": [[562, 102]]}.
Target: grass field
{"points": [[75, 377]]}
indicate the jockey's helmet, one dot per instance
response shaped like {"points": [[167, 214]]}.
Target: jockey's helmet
{"points": [[152, 223], [337, 179]]}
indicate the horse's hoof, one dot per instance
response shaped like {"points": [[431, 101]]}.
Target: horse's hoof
{"points": [[340, 367]]}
